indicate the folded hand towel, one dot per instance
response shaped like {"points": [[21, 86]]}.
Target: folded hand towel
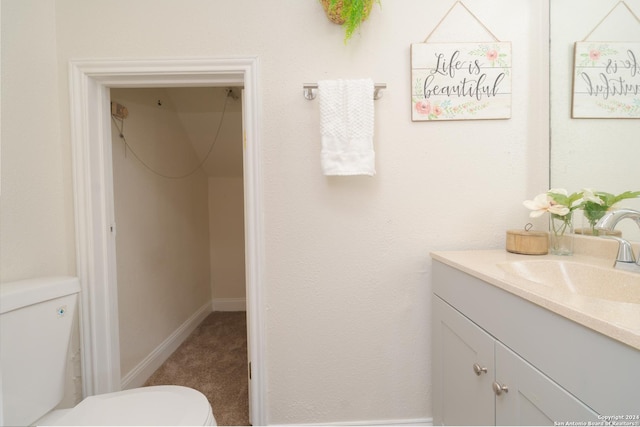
{"points": [[346, 127]]}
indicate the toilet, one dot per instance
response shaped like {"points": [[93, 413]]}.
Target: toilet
{"points": [[36, 319]]}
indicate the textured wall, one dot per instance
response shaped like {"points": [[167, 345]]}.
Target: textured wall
{"points": [[36, 216], [347, 270]]}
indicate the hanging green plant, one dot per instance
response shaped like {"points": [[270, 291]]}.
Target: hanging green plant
{"points": [[348, 13]]}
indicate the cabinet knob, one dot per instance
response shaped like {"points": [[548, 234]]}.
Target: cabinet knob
{"points": [[479, 369], [499, 388]]}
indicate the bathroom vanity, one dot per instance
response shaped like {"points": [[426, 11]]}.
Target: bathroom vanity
{"points": [[512, 346]]}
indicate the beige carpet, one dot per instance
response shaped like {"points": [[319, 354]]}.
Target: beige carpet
{"points": [[213, 360]]}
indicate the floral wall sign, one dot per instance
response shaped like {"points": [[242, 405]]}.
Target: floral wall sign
{"points": [[460, 81], [606, 80]]}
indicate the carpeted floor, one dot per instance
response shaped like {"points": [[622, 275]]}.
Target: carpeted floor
{"points": [[213, 360]]}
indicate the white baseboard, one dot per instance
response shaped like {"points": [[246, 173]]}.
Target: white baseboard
{"points": [[141, 373], [400, 422], [229, 304]]}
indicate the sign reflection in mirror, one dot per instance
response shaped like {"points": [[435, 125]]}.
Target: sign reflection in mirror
{"points": [[460, 81], [606, 80]]}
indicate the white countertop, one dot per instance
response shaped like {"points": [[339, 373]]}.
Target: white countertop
{"points": [[617, 320]]}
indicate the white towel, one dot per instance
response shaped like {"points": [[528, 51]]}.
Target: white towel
{"points": [[346, 126]]}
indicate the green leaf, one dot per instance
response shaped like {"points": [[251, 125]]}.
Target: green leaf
{"points": [[626, 195], [353, 12], [567, 201], [593, 211], [611, 199]]}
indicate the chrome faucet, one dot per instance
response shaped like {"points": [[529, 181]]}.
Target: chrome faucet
{"points": [[625, 259]]}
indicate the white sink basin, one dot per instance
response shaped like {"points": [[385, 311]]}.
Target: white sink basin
{"points": [[579, 278]]}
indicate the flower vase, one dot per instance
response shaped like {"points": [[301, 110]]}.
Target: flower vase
{"points": [[561, 234]]}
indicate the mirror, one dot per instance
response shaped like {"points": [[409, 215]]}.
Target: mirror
{"points": [[600, 154]]}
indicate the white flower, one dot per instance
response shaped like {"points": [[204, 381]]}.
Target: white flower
{"points": [[544, 203], [589, 196], [560, 210]]}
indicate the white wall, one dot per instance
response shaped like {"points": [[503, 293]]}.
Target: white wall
{"points": [[36, 219], [162, 225], [212, 122], [347, 281], [226, 225]]}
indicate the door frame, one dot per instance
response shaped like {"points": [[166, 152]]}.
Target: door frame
{"points": [[89, 85]]}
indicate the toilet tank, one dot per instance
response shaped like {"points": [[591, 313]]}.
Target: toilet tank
{"points": [[36, 317]]}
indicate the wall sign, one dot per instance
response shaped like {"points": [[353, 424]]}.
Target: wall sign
{"points": [[460, 81], [606, 80]]}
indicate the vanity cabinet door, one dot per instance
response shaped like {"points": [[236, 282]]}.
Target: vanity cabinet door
{"points": [[531, 398], [463, 369]]}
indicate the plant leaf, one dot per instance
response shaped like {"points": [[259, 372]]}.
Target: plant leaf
{"points": [[626, 195]]}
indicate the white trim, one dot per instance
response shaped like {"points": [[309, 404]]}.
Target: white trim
{"points": [[229, 304], [143, 370], [95, 249], [89, 83], [401, 422]]}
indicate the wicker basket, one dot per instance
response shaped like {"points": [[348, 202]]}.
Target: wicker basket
{"points": [[335, 15]]}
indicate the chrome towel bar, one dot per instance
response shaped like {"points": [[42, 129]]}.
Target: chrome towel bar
{"points": [[310, 88]]}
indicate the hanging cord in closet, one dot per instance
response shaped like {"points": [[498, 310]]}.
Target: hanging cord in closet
{"points": [[160, 174]]}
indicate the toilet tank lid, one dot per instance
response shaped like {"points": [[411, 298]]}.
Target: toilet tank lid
{"points": [[22, 293]]}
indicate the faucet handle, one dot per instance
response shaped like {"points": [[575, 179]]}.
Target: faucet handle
{"points": [[625, 251]]}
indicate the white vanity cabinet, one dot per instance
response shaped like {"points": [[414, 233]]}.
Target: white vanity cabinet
{"points": [[501, 360]]}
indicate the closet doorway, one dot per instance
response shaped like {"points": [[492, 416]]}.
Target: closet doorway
{"points": [[179, 211], [90, 85]]}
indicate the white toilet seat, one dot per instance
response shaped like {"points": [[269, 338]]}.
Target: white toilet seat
{"points": [[158, 405]]}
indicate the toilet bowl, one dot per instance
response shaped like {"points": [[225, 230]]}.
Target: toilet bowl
{"points": [[35, 324]]}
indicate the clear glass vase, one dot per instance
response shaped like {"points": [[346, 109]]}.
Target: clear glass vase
{"points": [[561, 234]]}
